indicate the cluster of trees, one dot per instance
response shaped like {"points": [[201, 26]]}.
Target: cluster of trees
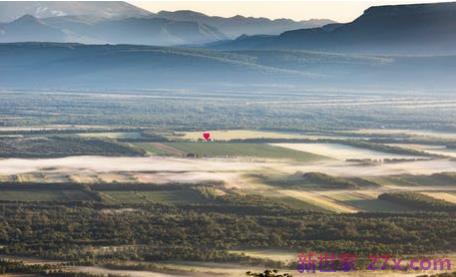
{"points": [[383, 147], [17, 267], [316, 180], [227, 110], [268, 273], [418, 201], [436, 179], [333, 182], [447, 177], [64, 131], [206, 233], [43, 147]]}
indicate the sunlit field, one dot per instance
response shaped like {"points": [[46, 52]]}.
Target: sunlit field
{"points": [[341, 152]]}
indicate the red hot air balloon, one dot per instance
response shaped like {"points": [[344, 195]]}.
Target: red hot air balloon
{"points": [[207, 136]]}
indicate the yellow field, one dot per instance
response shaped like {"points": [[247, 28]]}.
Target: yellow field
{"points": [[84, 178], [269, 254], [224, 135], [116, 177], [39, 177], [26, 177], [445, 196], [319, 200], [340, 151], [352, 195]]}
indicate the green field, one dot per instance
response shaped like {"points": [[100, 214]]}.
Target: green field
{"points": [[55, 146], [44, 195], [224, 149], [158, 149], [274, 197], [375, 205], [444, 179], [173, 197], [314, 181]]}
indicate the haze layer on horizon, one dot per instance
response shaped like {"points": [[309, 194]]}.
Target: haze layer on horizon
{"points": [[341, 11]]}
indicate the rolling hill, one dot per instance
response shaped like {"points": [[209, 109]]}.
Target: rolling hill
{"points": [[77, 66], [124, 66]]}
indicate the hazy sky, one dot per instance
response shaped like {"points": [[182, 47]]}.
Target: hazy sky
{"points": [[342, 11]]}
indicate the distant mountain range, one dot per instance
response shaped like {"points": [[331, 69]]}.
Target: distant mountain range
{"points": [[29, 28], [402, 29], [94, 30], [418, 29], [78, 66], [122, 23], [239, 25]]}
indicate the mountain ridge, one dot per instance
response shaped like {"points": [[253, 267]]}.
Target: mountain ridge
{"points": [[30, 27], [242, 25], [122, 23], [94, 30], [399, 29]]}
